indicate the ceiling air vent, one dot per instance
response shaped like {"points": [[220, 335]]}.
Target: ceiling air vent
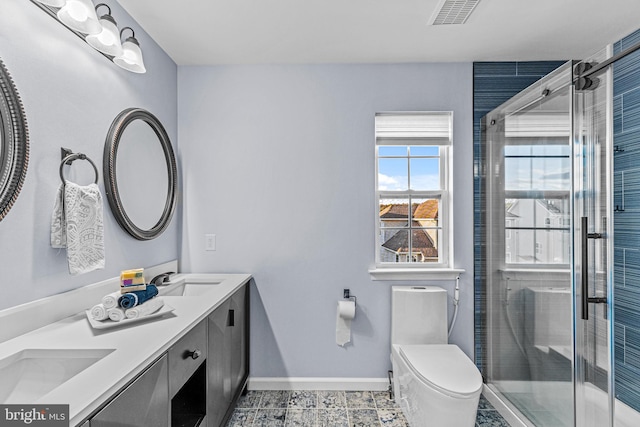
{"points": [[453, 12]]}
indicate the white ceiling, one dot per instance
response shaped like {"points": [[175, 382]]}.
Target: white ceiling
{"points": [[207, 32]]}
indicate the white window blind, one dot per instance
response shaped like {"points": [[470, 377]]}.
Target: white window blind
{"points": [[425, 128]]}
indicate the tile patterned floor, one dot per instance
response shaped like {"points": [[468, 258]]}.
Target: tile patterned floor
{"points": [[332, 409]]}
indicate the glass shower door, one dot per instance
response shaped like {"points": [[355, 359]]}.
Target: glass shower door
{"points": [[529, 361], [548, 179], [593, 249]]}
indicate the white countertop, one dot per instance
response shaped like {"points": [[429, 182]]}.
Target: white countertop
{"points": [[135, 345]]}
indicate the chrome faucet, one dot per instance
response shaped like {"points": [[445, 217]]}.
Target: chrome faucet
{"points": [[162, 279]]}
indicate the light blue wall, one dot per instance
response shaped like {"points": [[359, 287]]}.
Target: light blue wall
{"points": [[71, 94], [278, 162]]}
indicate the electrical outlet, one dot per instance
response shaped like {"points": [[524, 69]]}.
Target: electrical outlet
{"points": [[209, 242]]}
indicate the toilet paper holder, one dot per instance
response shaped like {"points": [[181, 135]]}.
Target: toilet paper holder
{"points": [[347, 295]]}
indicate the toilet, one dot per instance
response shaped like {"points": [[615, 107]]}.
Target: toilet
{"points": [[434, 383]]}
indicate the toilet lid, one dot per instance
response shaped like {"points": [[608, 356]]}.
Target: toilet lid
{"points": [[444, 367]]}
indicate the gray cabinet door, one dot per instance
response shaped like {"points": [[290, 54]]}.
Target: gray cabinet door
{"points": [[219, 365], [239, 339], [228, 359], [145, 402]]}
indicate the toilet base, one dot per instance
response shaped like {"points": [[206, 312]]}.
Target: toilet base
{"points": [[423, 406]]}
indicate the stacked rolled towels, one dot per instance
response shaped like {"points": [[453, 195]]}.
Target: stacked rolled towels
{"points": [[101, 311], [134, 300], [131, 305]]}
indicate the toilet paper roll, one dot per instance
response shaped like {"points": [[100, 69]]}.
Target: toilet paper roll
{"points": [[345, 314]]}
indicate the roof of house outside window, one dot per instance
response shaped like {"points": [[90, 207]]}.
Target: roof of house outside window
{"points": [[424, 213], [421, 241], [425, 210]]}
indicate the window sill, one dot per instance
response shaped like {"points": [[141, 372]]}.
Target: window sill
{"points": [[539, 273], [415, 273]]}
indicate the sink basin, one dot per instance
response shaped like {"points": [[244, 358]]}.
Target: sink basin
{"points": [[188, 289], [30, 374]]}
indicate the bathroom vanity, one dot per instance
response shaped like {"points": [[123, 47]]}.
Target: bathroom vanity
{"points": [[185, 368], [199, 378]]}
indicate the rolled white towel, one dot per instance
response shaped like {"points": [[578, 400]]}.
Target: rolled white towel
{"points": [[111, 300], [151, 306], [116, 314], [98, 312]]}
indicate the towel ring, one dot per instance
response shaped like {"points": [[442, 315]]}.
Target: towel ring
{"points": [[75, 156]]}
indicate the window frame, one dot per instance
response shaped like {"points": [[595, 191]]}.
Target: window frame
{"points": [[443, 194], [535, 195]]}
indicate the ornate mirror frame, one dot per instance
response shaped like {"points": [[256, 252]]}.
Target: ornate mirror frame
{"points": [[14, 142], [112, 143]]}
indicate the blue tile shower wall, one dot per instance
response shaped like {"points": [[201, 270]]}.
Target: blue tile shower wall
{"points": [[626, 140], [493, 84]]}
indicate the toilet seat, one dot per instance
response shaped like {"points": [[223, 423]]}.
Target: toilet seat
{"points": [[443, 367]]}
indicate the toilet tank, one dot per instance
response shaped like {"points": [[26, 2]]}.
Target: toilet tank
{"points": [[418, 315]]}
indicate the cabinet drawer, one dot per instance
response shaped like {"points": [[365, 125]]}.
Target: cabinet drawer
{"points": [[185, 357]]}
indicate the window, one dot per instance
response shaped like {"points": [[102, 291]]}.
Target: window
{"points": [[537, 203], [412, 189]]}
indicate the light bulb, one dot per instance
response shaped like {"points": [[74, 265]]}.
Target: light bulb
{"points": [[79, 15], [108, 40], [77, 11]]}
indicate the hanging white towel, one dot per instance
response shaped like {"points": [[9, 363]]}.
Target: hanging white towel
{"points": [[77, 224], [58, 232]]}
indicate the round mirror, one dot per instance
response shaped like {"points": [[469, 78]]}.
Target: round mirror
{"points": [[14, 143], [141, 173]]}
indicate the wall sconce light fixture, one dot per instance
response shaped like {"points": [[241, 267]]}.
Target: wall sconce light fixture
{"points": [[108, 40], [131, 57], [102, 34]]}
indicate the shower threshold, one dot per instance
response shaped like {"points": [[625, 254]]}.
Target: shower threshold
{"points": [[507, 397]]}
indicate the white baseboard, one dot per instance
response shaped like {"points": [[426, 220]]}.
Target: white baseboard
{"points": [[306, 383]]}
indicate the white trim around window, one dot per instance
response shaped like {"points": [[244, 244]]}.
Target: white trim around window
{"points": [[415, 273]]}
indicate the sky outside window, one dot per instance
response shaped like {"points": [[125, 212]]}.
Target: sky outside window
{"points": [[537, 167], [395, 163]]}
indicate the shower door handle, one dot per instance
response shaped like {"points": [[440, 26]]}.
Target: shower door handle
{"points": [[584, 266]]}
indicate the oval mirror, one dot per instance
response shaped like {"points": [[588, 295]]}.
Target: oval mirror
{"points": [[141, 173], [14, 143]]}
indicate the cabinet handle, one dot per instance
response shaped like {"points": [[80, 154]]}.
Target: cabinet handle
{"points": [[192, 354], [231, 318]]}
